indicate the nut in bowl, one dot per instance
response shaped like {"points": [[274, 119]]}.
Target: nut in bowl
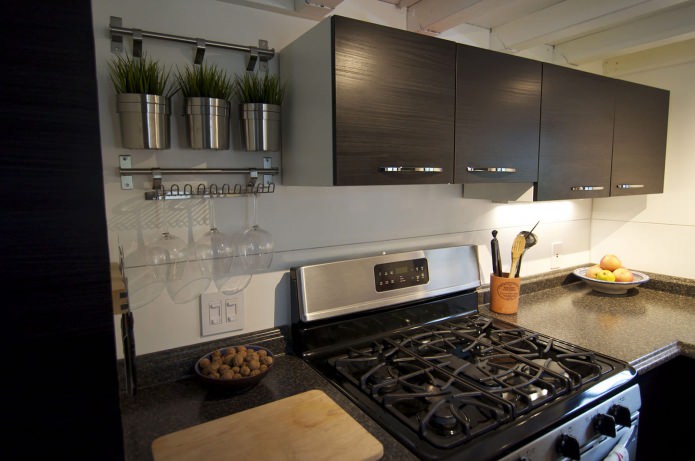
{"points": [[607, 286], [235, 366]]}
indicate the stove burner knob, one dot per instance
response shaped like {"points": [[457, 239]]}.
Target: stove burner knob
{"points": [[604, 425], [621, 414], [568, 447]]}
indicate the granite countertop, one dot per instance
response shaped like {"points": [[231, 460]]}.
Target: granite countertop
{"points": [[165, 402], [645, 327]]}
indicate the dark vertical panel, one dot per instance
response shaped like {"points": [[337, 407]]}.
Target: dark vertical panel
{"points": [[498, 105], [576, 134], [394, 104], [639, 142], [61, 386]]}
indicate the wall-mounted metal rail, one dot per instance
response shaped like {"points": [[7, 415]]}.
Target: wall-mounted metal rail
{"points": [[260, 53], [159, 192]]}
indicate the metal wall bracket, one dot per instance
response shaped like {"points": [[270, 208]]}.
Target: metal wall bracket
{"points": [[267, 164], [199, 52], [116, 38], [124, 162]]}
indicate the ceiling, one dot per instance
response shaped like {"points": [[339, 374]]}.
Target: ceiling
{"points": [[624, 35]]}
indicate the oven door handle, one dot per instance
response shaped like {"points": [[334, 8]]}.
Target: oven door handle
{"points": [[620, 451]]}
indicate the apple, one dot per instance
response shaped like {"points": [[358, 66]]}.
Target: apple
{"points": [[606, 275], [593, 270], [623, 274], [610, 262]]}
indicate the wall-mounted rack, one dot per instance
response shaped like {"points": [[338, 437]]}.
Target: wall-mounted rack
{"points": [[159, 192], [260, 53]]}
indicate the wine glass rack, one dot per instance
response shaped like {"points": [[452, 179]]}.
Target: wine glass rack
{"points": [[253, 184]]}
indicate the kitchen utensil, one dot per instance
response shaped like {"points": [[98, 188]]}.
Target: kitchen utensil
{"points": [[243, 383], [496, 258], [309, 425], [255, 245], [531, 240], [517, 250], [611, 288]]}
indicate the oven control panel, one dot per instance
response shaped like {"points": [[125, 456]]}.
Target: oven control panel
{"points": [[401, 274]]}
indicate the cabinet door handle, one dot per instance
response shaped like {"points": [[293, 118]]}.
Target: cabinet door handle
{"points": [[586, 188], [630, 186], [490, 169], [411, 169]]}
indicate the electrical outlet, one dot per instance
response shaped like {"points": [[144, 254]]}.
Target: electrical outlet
{"points": [[221, 313], [555, 255]]}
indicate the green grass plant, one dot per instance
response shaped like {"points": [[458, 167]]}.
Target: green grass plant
{"points": [[203, 81], [139, 75], [258, 87]]}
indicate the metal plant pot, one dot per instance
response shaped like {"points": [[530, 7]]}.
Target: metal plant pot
{"points": [[207, 123], [144, 120], [260, 127]]}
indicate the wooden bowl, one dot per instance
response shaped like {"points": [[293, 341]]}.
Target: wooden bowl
{"points": [[245, 381]]}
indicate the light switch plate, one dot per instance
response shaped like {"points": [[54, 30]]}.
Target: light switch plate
{"points": [[555, 256], [221, 313]]}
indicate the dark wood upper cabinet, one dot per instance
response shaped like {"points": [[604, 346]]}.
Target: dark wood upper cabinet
{"points": [[576, 135], [363, 99], [639, 139], [498, 108]]}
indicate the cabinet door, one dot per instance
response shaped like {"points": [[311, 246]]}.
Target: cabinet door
{"points": [[639, 139], [394, 105], [576, 135], [498, 106]]}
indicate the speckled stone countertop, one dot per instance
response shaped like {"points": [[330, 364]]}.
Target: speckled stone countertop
{"points": [[169, 398], [645, 327]]}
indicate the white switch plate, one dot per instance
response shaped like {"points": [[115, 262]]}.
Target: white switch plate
{"points": [[221, 313], [555, 256]]}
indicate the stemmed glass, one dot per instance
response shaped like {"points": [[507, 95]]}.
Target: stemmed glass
{"points": [[218, 257], [168, 253], [187, 279], [255, 245]]}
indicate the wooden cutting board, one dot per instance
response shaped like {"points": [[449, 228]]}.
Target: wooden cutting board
{"points": [[306, 426]]}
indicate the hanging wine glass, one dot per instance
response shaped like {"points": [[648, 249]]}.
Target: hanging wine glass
{"points": [[168, 252], [219, 259], [146, 281], [187, 278], [255, 245]]}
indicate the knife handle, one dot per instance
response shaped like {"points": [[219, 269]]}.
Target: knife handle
{"points": [[496, 258]]}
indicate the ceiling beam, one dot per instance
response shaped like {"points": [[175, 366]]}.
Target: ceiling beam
{"points": [[663, 56], [308, 9], [572, 19], [668, 26]]}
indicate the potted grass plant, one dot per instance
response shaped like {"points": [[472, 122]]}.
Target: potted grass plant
{"points": [[259, 95], [143, 101], [207, 90]]}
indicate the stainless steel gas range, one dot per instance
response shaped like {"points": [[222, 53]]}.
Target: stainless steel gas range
{"points": [[400, 334]]}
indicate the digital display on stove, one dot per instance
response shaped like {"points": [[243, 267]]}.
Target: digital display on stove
{"points": [[401, 274]]}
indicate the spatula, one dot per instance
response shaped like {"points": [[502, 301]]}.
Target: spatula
{"points": [[518, 247]]}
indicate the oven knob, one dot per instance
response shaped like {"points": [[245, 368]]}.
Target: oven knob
{"points": [[568, 447], [604, 425], [621, 414]]}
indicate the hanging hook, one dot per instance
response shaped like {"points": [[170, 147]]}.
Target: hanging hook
{"points": [[137, 43], [199, 52]]}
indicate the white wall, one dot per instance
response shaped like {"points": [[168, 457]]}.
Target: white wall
{"points": [[308, 224], [656, 232]]}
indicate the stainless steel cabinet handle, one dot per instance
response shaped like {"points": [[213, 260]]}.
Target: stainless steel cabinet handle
{"points": [[411, 169], [586, 188], [490, 170], [630, 186]]}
